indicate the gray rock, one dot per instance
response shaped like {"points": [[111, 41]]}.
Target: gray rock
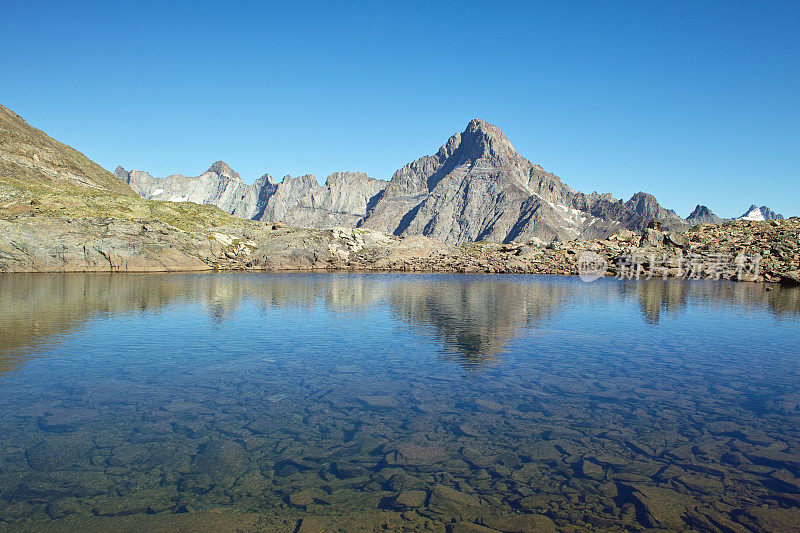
{"points": [[652, 237], [678, 240]]}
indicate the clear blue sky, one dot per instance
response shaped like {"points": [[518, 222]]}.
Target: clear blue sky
{"points": [[695, 102]]}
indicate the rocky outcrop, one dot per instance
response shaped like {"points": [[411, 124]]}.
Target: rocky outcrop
{"points": [[50, 244], [476, 187], [703, 215], [760, 213]]}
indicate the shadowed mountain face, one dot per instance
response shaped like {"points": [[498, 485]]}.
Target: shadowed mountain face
{"points": [[31, 160], [476, 187], [472, 318]]}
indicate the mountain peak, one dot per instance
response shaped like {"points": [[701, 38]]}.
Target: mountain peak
{"points": [[703, 215], [221, 168], [482, 139], [700, 211], [760, 213]]}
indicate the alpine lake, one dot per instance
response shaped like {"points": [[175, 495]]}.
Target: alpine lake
{"points": [[375, 402]]}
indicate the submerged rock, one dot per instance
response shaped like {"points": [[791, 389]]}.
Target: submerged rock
{"points": [[409, 499], [223, 461]]}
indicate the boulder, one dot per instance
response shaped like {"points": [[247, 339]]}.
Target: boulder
{"points": [[652, 237], [678, 240]]}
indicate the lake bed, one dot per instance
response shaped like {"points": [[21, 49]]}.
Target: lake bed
{"points": [[397, 401]]}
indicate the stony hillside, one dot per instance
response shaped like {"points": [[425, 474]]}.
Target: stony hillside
{"points": [[31, 161]]}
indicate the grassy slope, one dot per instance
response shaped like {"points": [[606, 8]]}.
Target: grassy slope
{"points": [[42, 176]]}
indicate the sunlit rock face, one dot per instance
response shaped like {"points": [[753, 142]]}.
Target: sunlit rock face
{"points": [[476, 187]]}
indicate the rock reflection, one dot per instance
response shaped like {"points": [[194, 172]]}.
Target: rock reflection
{"points": [[660, 297]]}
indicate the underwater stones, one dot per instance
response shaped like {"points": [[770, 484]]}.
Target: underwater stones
{"points": [[58, 453], [402, 481], [251, 483], [66, 418], [446, 500], [344, 470], [150, 500], [223, 461], [772, 519], [409, 499], [81, 483], [286, 469], [591, 470], [311, 524], [411, 454], [541, 451], [522, 523], [379, 401], [791, 482], [701, 484], [611, 460], [488, 406], [768, 456], [468, 430], [664, 507], [64, 507], [535, 502], [469, 527], [128, 454], [302, 498], [40, 486]]}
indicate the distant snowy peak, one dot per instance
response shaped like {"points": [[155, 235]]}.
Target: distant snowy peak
{"points": [[760, 213]]}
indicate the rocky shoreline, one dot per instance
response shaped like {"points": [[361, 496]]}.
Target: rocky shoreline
{"points": [[766, 251]]}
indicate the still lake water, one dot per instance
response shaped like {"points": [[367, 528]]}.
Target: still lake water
{"points": [[389, 401]]}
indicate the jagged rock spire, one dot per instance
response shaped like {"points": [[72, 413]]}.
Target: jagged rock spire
{"points": [[221, 168]]}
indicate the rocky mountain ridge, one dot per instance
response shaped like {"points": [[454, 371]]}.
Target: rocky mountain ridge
{"points": [[301, 201], [476, 187], [760, 213]]}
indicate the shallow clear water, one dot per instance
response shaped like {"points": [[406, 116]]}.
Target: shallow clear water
{"points": [[226, 401]]}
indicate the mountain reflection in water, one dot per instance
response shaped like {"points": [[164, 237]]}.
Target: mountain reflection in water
{"points": [[472, 317]]}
